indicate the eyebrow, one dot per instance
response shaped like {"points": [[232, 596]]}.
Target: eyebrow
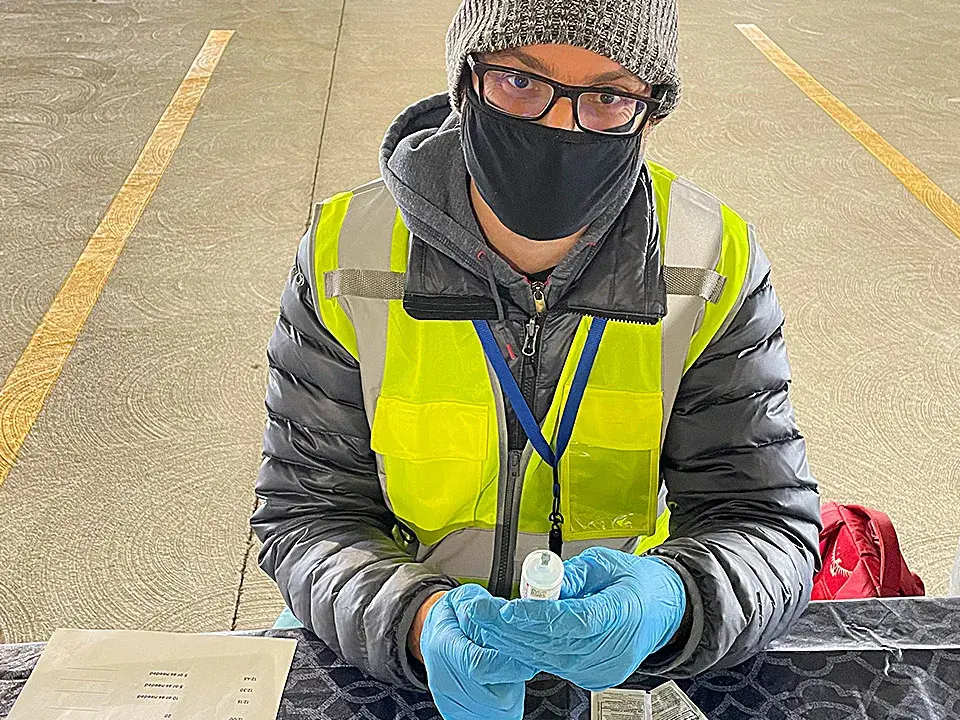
{"points": [[544, 69]]}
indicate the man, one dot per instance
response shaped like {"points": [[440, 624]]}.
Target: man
{"points": [[525, 336]]}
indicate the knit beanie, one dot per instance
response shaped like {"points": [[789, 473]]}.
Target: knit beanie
{"points": [[641, 35]]}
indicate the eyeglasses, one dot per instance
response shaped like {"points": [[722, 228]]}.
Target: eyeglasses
{"points": [[530, 97]]}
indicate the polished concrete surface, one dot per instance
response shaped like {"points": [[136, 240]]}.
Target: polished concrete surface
{"points": [[128, 506]]}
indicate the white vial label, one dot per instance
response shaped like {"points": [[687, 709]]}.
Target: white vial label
{"points": [[541, 576]]}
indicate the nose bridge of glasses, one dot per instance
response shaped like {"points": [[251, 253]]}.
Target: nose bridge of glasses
{"points": [[562, 111]]}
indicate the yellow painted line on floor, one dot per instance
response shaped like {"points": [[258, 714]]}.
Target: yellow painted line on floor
{"points": [[913, 178], [33, 377]]}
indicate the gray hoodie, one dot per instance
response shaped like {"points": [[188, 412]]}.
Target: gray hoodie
{"points": [[744, 507]]}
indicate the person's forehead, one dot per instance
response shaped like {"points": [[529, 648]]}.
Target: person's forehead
{"points": [[567, 64]]}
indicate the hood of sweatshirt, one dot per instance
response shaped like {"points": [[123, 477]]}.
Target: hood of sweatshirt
{"points": [[613, 271]]}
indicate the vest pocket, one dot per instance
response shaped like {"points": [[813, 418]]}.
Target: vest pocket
{"points": [[433, 455], [609, 475]]}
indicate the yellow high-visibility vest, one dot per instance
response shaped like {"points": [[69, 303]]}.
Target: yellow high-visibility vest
{"points": [[436, 410]]}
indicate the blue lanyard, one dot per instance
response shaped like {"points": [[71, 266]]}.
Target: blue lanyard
{"points": [[529, 424]]}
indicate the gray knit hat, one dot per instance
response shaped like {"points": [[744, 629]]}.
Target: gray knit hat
{"points": [[641, 35]]}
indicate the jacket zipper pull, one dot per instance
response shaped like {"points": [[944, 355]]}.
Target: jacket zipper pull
{"points": [[533, 327], [530, 342], [513, 466], [539, 298]]}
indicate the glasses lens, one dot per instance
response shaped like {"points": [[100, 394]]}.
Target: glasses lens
{"points": [[516, 94], [609, 113]]}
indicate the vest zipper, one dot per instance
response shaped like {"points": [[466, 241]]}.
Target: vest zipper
{"points": [[506, 548], [502, 585]]}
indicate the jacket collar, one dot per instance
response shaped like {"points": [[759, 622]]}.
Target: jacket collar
{"points": [[617, 276]]}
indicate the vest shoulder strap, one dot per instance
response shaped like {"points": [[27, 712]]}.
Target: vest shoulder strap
{"points": [[702, 232], [362, 270], [356, 229], [700, 235]]}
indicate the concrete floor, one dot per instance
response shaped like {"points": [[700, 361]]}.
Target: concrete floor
{"points": [[128, 506]]}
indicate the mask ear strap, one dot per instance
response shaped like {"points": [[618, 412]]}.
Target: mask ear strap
{"points": [[465, 85]]}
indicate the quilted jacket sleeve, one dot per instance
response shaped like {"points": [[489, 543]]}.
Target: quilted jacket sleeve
{"points": [[327, 533], [745, 509]]}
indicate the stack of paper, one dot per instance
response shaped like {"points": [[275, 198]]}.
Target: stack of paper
{"points": [[127, 675]]}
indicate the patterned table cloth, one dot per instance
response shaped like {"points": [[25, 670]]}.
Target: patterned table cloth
{"points": [[893, 659]]}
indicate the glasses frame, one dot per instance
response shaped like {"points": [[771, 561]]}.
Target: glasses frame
{"points": [[648, 105]]}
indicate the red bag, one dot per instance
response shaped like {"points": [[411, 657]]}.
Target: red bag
{"points": [[861, 556]]}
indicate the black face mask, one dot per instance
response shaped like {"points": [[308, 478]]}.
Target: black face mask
{"points": [[544, 183]]}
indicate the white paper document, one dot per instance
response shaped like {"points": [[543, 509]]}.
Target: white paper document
{"points": [[132, 675]]}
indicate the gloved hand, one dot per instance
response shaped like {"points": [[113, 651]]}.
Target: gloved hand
{"points": [[469, 682], [614, 610]]}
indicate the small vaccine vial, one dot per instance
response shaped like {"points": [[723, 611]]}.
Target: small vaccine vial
{"points": [[541, 576]]}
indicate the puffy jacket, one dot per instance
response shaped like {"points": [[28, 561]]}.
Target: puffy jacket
{"points": [[744, 507]]}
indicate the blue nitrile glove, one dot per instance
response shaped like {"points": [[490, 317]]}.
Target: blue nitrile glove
{"points": [[469, 682], [614, 610]]}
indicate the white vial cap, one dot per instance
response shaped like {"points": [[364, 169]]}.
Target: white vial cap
{"points": [[541, 576]]}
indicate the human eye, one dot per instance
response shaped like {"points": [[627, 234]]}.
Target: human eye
{"points": [[610, 96], [517, 81], [516, 93], [606, 101]]}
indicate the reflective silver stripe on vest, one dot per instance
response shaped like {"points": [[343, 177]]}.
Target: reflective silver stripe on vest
{"points": [[387, 285], [467, 553], [661, 504], [365, 242], [694, 239]]}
